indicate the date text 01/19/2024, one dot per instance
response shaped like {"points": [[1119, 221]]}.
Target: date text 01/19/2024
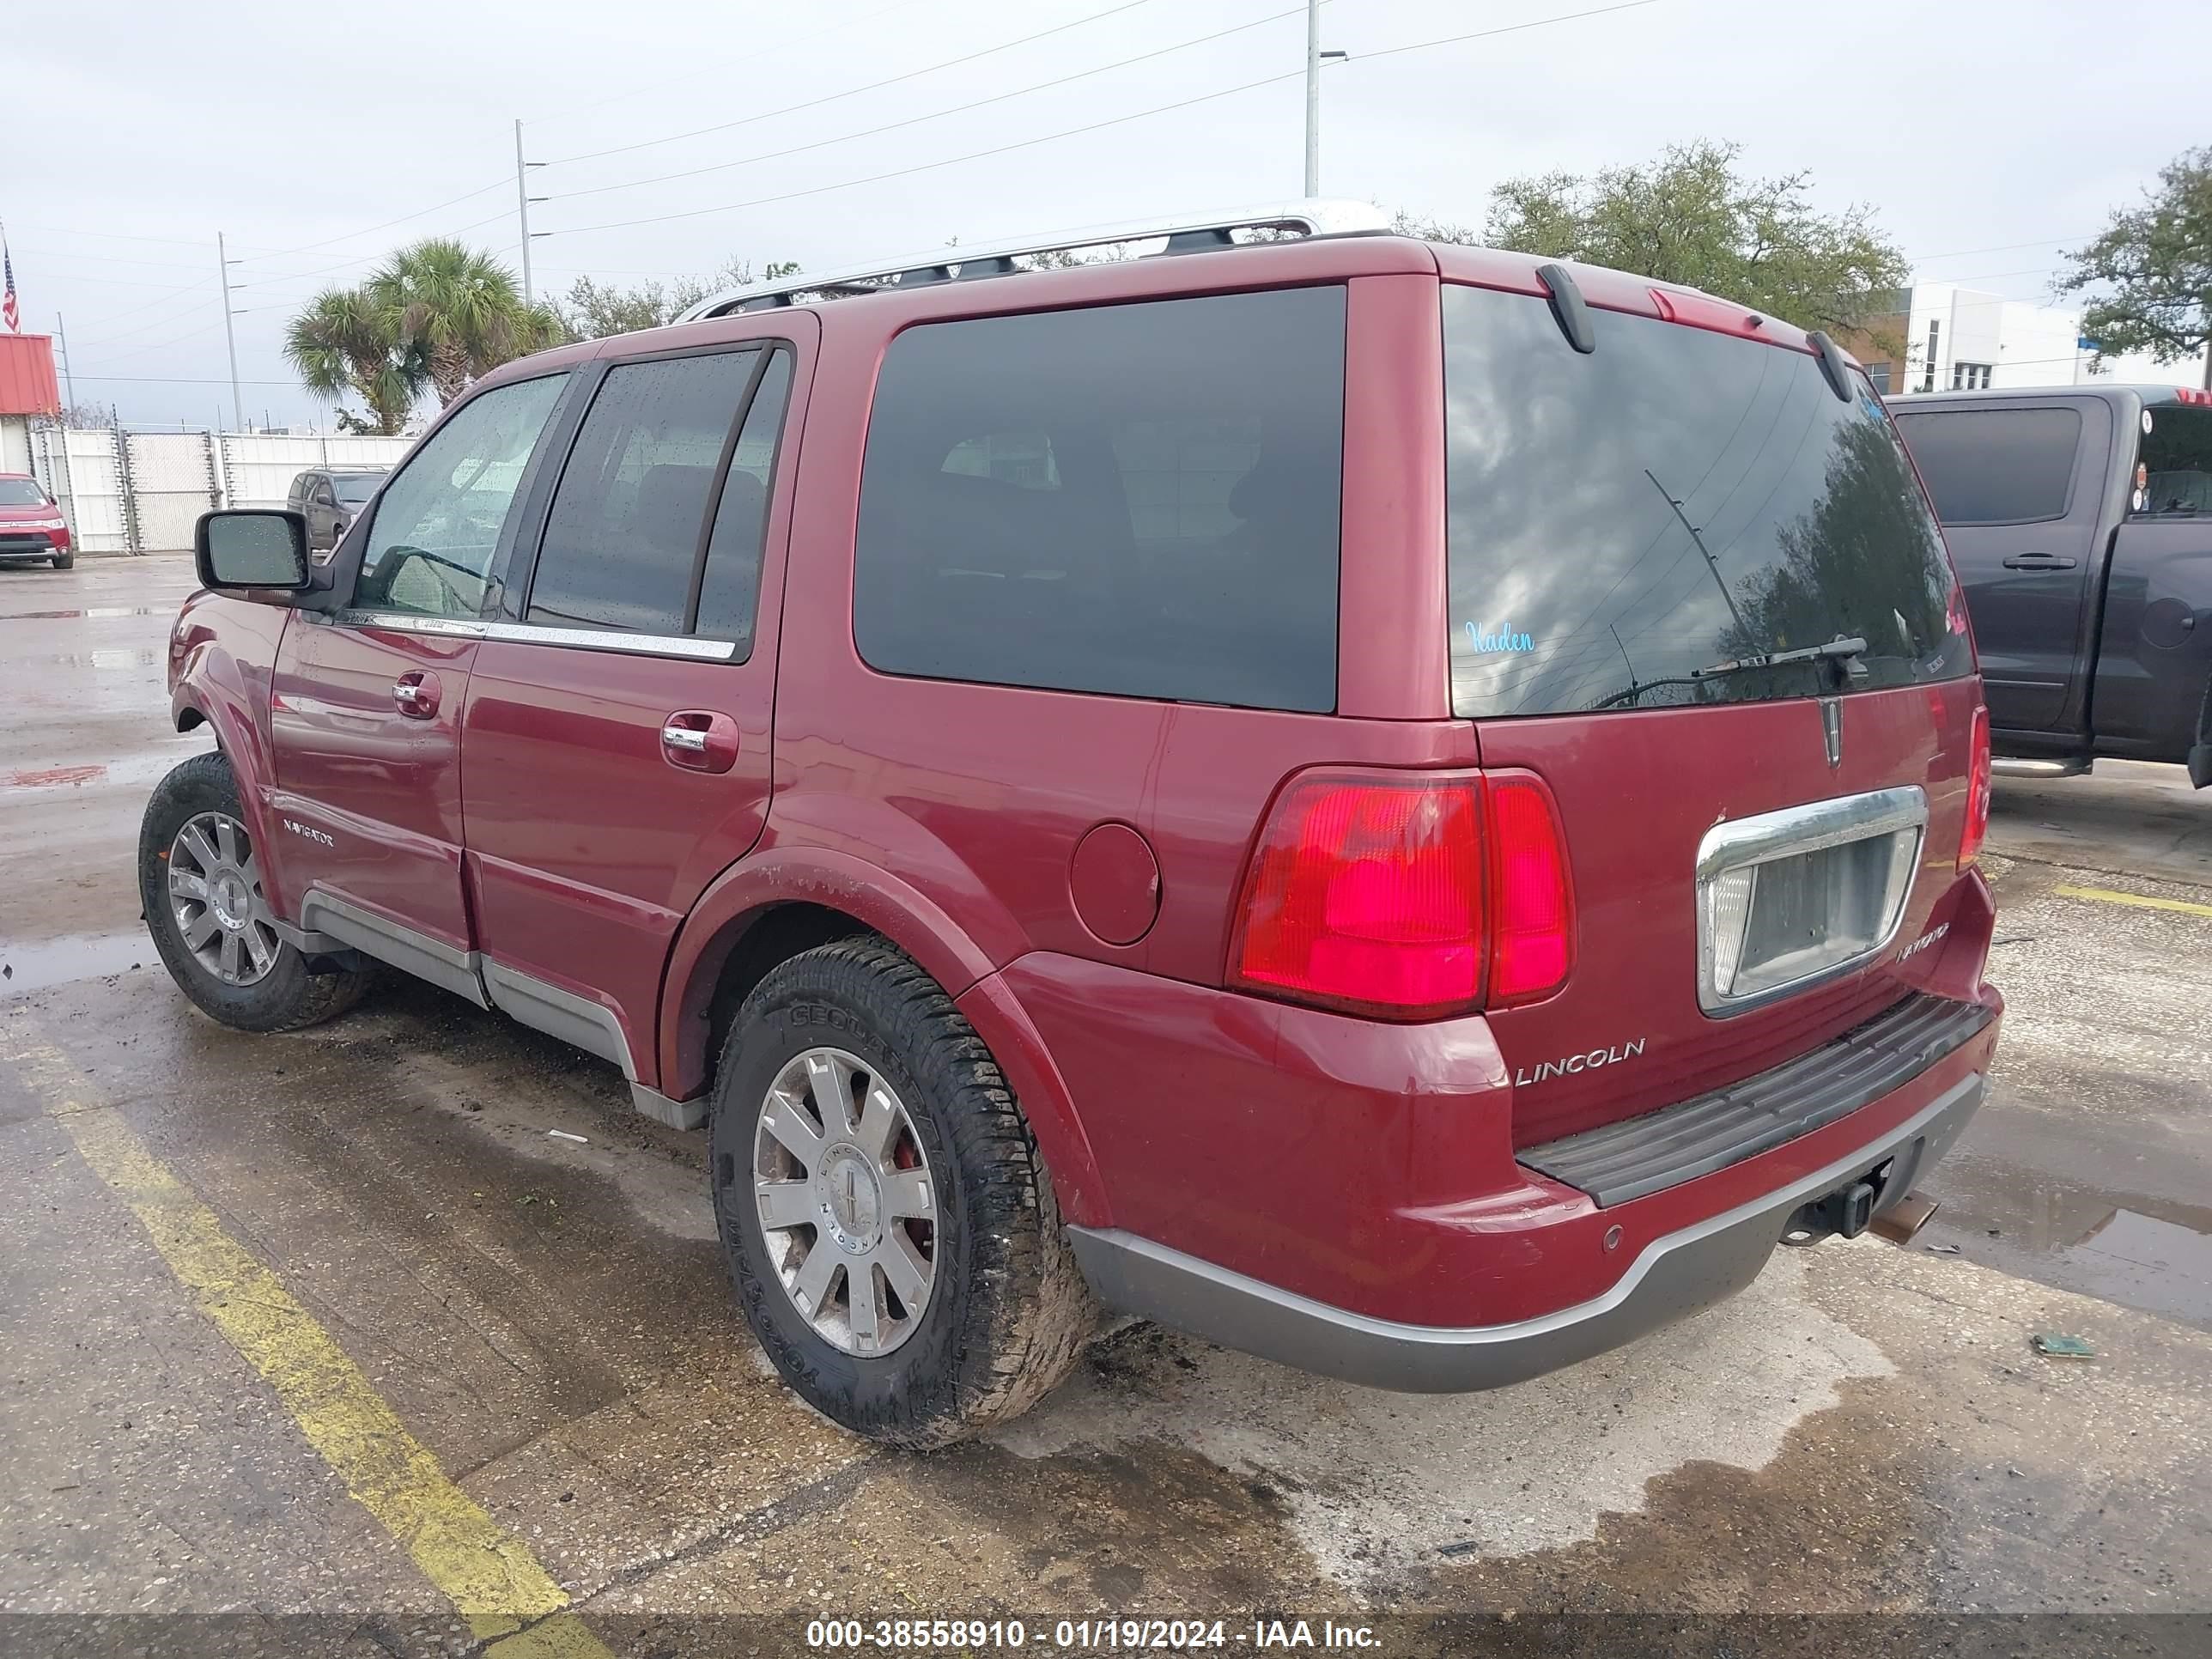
{"points": [[1086, 1635]]}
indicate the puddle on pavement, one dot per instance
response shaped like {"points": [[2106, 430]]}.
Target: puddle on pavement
{"points": [[96, 612], [108, 660], [2160, 1267], [148, 768], [33, 966]]}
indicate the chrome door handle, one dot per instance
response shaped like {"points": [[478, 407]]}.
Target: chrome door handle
{"points": [[417, 695], [682, 736]]}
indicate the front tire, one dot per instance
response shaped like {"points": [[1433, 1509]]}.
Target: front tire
{"points": [[200, 884], [858, 1121], [65, 561]]}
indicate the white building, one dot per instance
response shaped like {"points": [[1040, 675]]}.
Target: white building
{"points": [[1961, 338]]}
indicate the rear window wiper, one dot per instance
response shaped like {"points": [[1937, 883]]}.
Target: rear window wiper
{"points": [[1844, 652]]}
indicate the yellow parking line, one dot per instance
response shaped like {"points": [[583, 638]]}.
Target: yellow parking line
{"points": [[491, 1576], [2140, 901]]}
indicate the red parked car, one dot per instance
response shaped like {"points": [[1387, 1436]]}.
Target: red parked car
{"points": [[1405, 809], [31, 524]]}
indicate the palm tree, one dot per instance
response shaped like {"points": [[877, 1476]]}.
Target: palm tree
{"points": [[460, 311], [342, 341]]}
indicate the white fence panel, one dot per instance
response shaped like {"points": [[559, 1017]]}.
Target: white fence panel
{"points": [[257, 467], [173, 482], [80, 468]]}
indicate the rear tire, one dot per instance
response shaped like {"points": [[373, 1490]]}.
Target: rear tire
{"points": [[280, 994], [1003, 1312]]}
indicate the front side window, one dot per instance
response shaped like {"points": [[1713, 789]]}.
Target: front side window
{"points": [[1653, 523], [1994, 465], [1139, 500], [622, 540], [2175, 464], [438, 526]]}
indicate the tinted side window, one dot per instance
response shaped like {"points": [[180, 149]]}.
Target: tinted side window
{"points": [[1141, 500], [729, 588], [438, 525], [622, 538], [1994, 465], [2176, 462]]}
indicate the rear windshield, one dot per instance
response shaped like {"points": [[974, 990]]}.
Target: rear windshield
{"points": [[1646, 526]]}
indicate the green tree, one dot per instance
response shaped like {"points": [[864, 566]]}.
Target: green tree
{"points": [[459, 310], [343, 342], [1691, 217], [592, 310], [2156, 264]]}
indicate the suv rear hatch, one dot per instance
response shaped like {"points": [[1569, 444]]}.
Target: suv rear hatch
{"points": [[1702, 596]]}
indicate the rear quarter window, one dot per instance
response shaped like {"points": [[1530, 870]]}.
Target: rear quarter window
{"points": [[1139, 500], [1994, 465]]}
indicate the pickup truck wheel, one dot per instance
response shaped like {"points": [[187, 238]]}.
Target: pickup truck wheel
{"points": [[200, 883], [888, 1224]]}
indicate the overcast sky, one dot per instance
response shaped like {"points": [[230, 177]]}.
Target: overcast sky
{"points": [[1985, 133]]}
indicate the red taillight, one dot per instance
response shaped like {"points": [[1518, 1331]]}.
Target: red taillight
{"points": [[1977, 790], [1366, 894], [1532, 909]]}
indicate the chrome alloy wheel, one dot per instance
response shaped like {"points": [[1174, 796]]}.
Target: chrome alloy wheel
{"points": [[848, 1205], [214, 893]]}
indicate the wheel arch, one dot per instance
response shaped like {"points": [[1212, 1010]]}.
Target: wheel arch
{"points": [[210, 692], [777, 904]]}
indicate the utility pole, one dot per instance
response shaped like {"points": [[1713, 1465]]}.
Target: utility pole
{"points": [[1313, 97], [223, 264], [1314, 58], [1711, 563], [522, 206], [69, 372]]}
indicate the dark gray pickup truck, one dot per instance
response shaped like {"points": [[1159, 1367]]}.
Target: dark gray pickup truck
{"points": [[2079, 519]]}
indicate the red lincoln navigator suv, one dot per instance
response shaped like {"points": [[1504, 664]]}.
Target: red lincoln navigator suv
{"points": [[1405, 809]]}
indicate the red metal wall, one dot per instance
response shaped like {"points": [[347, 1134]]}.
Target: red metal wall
{"points": [[27, 385]]}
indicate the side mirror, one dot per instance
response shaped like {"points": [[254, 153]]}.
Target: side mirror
{"points": [[253, 547]]}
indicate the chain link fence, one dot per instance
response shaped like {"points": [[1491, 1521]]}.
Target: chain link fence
{"points": [[141, 492]]}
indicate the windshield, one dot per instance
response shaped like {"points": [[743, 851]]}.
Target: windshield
{"points": [[21, 492], [1652, 523], [354, 488]]}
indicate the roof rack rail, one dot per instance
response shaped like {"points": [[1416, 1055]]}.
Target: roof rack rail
{"points": [[953, 265]]}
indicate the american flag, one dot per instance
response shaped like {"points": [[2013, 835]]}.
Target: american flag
{"points": [[9, 312]]}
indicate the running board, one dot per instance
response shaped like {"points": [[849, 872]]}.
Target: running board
{"points": [[2072, 766], [328, 922]]}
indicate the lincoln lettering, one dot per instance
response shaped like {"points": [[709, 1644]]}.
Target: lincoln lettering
{"points": [[1525, 1075]]}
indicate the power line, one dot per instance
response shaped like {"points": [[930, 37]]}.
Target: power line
{"points": [[2001, 247], [851, 92], [164, 345], [936, 115], [185, 380], [1092, 126], [354, 235], [662, 83]]}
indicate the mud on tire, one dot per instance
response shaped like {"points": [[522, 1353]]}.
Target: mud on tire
{"points": [[289, 995], [1008, 1312]]}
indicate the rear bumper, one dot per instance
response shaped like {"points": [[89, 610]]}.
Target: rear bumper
{"points": [[1676, 1273]]}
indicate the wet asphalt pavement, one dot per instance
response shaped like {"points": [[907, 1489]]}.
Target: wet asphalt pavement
{"points": [[1868, 1431]]}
